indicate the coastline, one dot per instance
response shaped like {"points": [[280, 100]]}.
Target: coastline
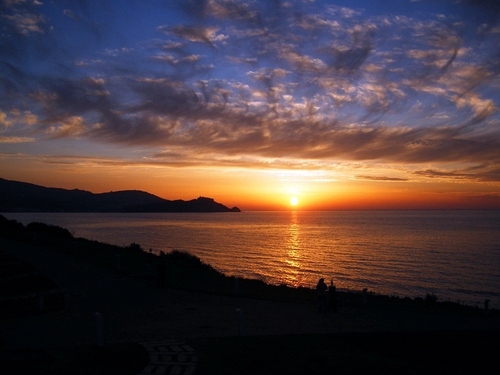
{"points": [[188, 272], [455, 264]]}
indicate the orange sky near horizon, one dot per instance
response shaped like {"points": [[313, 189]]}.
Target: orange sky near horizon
{"points": [[265, 190], [345, 105]]}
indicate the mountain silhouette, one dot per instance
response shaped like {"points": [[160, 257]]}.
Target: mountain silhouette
{"points": [[18, 196]]}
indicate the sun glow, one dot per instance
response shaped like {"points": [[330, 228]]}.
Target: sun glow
{"points": [[294, 201]]}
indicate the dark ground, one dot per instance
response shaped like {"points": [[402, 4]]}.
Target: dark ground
{"points": [[433, 352], [285, 334]]}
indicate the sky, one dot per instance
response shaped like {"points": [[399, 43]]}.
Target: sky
{"points": [[354, 104]]}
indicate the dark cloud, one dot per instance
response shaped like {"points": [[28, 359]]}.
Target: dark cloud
{"points": [[431, 173], [480, 173], [198, 34], [376, 178]]}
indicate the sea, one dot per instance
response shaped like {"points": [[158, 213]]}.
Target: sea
{"points": [[453, 254]]}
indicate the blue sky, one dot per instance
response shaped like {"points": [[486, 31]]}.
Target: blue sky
{"points": [[325, 91]]}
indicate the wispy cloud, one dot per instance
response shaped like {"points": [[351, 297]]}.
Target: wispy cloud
{"points": [[16, 139], [381, 178]]}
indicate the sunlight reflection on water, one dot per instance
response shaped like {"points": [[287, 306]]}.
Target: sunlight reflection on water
{"points": [[454, 254]]}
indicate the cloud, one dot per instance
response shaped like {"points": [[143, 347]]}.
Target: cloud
{"points": [[207, 35], [377, 178], [487, 172], [70, 127], [18, 125], [22, 17], [432, 173], [25, 24], [16, 139], [271, 80]]}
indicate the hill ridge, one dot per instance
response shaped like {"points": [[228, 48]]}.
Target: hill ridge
{"points": [[16, 196]]}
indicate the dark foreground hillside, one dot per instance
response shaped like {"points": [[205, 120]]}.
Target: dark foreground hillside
{"points": [[235, 326]]}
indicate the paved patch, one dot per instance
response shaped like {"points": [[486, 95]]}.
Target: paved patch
{"points": [[172, 357]]}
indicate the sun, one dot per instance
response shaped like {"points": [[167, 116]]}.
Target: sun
{"points": [[294, 201]]}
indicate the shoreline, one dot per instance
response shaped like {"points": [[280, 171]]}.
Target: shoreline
{"points": [[463, 281]]}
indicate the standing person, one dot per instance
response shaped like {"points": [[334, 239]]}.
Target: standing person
{"points": [[162, 272], [321, 289], [332, 296]]}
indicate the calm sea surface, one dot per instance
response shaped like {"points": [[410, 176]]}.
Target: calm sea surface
{"points": [[453, 254]]}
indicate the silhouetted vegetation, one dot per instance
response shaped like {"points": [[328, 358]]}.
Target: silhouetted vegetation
{"points": [[430, 298], [49, 230], [24, 291]]}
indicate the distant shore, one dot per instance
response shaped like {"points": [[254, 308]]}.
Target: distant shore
{"points": [[18, 196]]}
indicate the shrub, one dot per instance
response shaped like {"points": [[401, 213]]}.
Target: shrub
{"points": [[10, 227], [50, 230], [186, 259], [430, 298], [134, 247]]}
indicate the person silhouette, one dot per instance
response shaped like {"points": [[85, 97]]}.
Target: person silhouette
{"points": [[332, 297], [321, 289]]}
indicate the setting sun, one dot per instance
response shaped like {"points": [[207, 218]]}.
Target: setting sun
{"points": [[294, 201]]}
